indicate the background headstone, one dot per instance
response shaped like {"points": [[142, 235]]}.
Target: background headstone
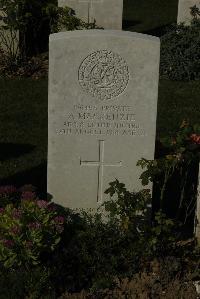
{"points": [[107, 13], [184, 14], [103, 88]]}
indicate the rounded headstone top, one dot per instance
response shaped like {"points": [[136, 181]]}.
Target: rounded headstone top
{"points": [[99, 32]]}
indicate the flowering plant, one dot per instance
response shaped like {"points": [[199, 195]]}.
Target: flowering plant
{"points": [[176, 166], [10, 194], [28, 230]]}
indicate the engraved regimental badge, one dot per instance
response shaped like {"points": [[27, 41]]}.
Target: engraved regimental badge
{"points": [[103, 74]]}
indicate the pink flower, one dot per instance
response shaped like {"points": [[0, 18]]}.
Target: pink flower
{"points": [[8, 243], [15, 230], [7, 189], [195, 138], [43, 204], [2, 210], [51, 207], [34, 225], [59, 219], [29, 244], [17, 213], [28, 195]]}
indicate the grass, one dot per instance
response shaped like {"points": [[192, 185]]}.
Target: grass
{"points": [[23, 139], [23, 114]]}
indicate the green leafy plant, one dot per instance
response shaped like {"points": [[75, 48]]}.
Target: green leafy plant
{"points": [[9, 194], [92, 253], [131, 211], [28, 230], [195, 12], [162, 236], [128, 209], [180, 51], [94, 250], [183, 155], [32, 283], [64, 18], [22, 24], [15, 19], [17, 16], [9, 33]]}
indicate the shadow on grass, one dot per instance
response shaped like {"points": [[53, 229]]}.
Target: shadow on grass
{"points": [[14, 150], [158, 31], [36, 176], [128, 24]]}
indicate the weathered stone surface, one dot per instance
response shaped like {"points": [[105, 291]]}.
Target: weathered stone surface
{"points": [[184, 14], [107, 13], [103, 88]]}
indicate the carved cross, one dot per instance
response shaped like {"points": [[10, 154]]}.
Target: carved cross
{"points": [[90, 7], [100, 164]]}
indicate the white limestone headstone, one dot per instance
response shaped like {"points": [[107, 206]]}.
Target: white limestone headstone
{"points": [[107, 13], [184, 14], [103, 87]]}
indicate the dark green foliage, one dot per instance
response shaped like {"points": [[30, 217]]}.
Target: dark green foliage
{"points": [[130, 211], [177, 101], [175, 172], [31, 283], [93, 252], [31, 20], [96, 251], [29, 227], [180, 52], [64, 18], [34, 21], [195, 12]]}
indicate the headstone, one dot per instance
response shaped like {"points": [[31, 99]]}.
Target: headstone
{"points": [[184, 14], [103, 87], [107, 13]]}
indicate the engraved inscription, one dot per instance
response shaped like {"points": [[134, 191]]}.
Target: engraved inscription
{"points": [[100, 164], [108, 120], [103, 74]]}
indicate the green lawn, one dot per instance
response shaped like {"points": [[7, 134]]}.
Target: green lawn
{"points": [[23, 139], [23, 114]]}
